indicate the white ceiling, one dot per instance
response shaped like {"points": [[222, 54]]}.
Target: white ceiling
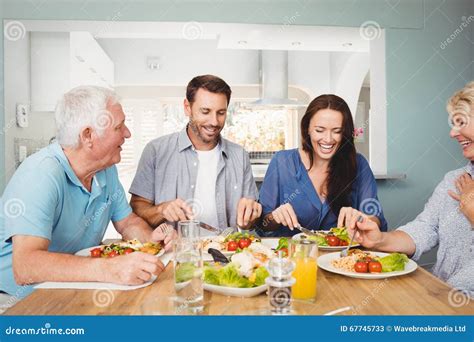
{"points": [[228, 36]]}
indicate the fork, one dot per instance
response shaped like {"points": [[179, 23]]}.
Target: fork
{"points": [[226, 232], [166, 228], [345, 252]]}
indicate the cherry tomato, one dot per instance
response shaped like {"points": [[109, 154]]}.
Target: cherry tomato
{"points": [[232, 246], [244, 243], [128, 250], [343, 243], [284, 251], [96, 252], [361, 267], [113, 254], [333, 240], [366, 259], [375, 267]]}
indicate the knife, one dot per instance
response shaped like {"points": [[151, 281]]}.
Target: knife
{"points": [[209, 227], [307, 231]]}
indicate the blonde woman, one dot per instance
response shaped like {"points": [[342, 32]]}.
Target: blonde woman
{"points": [[448, 217]]}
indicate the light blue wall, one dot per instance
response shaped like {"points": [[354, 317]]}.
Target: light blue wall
{"points": [[420, 74]]}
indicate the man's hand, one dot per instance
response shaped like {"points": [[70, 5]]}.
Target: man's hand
{"points": [[248, 210], [368, 233], [131, 269], [176, 210], [285, 215], [166, 233]]}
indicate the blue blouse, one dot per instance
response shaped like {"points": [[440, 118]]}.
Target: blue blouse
{"points": [[287, 181]]}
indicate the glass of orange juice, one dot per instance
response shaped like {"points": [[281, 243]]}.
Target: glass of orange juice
{"points": [[304, 253]]}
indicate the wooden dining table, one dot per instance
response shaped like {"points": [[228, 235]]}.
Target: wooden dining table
{"points": [[417, 293]]}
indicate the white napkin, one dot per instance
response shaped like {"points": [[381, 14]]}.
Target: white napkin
{"points": [[83, 285]]}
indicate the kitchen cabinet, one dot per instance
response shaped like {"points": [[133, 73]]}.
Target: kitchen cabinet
{"points": [[61, 61]]}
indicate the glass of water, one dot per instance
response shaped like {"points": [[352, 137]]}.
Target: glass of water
{"points": [[188, 267]]}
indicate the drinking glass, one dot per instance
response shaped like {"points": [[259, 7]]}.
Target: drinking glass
{"points": [[304, 254]]}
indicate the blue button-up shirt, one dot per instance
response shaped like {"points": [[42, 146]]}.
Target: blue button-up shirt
{"points": [[287, 181], [45, 199]]}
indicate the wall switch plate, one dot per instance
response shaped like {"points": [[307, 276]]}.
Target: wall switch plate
{"points": [[22, 153], [22, 112]]}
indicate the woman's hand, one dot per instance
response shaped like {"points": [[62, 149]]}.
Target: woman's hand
{"points": [[368, 233], [465, 197], [348, 217], [285, 215]]}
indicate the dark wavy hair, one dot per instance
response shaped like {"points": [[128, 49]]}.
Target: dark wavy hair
{"points": [[342, 166]]}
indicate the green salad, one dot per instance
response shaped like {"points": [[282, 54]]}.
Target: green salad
{"points": [[229, 275]]}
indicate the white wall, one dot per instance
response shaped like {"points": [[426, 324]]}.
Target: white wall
{"points": [[180, 61], [348, 71], [17, 90], [310, 71]]}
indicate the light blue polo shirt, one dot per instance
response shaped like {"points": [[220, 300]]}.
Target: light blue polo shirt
{"points": [[44, 198]]}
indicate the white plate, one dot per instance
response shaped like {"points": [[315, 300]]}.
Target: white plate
{"points": [[235, 291], [87, 251], [325, 248], [324, 262]]}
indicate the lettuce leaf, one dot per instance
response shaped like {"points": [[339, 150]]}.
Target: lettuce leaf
{"points": [[393, 262], [282, 243], [260, 275], [211, 275], [229, 276], [341, 233], [320, 240]]}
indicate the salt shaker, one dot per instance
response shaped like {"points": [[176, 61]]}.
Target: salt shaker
{"points": [[279, 284]]}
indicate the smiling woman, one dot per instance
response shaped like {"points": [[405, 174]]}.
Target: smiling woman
{"points": [[319, 185], [461, 116], [447, 220]]}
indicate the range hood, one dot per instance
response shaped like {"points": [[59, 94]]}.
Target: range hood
{"points": [[274, 81]]}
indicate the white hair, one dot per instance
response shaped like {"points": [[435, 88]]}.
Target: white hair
{"points": [[81, 107]]}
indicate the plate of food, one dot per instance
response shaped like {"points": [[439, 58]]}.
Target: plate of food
{"points": [[243, 276], [230, 244], [367, 265], [334, 239], [121, 248]]}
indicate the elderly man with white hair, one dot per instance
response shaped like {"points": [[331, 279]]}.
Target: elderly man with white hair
{"points": [[62, 198]]}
